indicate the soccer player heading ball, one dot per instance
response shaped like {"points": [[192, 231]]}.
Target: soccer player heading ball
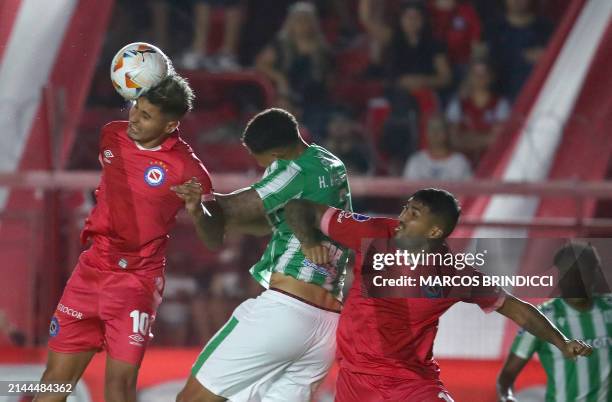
{"points": [[385, 345], [111, 298]]}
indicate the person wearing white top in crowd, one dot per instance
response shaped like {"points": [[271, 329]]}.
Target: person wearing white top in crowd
{"points": [[438, 161]]}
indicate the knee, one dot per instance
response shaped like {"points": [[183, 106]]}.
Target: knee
{"points": [[120, 388]]}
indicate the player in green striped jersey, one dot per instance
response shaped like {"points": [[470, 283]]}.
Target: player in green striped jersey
{"points": [[579, 313], [278, 346]]}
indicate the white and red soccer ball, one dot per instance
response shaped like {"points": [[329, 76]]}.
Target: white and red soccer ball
{"points": [[136, 68]]}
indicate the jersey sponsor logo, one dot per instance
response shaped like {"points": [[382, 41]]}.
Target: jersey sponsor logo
{"points": [[600, 342], [155, 176], [108, 155], [54, 327], [69, 311], [316, 267], [122, 263]]}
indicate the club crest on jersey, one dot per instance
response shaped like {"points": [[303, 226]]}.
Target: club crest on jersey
{"points": [[155, 175], [54, 327]]}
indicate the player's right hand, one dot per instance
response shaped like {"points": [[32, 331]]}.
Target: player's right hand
{"points": [[191, 193], [318, 253], [574, 348]]}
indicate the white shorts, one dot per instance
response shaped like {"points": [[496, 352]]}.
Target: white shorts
{"points": [[274, 348]]}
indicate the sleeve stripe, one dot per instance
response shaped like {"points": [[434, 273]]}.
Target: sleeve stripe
{"points": [[524, 349], [326, 220], [279, 182]]}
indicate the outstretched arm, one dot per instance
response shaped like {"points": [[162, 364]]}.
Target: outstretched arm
{"points": [[239, 212], [207, 216], [304, 217], [244, 212], [536, 323]]}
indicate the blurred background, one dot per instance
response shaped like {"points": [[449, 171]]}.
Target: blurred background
{"points": [[506, 103]]}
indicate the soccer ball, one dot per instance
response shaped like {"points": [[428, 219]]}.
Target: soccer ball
{"points": [[136, 68]]}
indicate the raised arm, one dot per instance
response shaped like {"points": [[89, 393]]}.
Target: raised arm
{"points": [[304, 217], [536, 323], [240, 212], [244, 212]]}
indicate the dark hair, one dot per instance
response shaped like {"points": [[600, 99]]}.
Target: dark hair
{"points": [[576, 251], [172, 95], [442, 204], [272, 128]]}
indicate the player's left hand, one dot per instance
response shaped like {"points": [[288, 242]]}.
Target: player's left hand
{"points": [[191, 193], [317, 253], [574, 348]]}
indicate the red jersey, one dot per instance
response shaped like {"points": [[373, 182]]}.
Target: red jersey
{"points": [[135, 207], [390, 337], [471, 117], [458, 28]]}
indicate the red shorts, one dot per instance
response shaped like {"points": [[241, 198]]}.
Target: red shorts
{"points": [[108, 308], [351, 387]]}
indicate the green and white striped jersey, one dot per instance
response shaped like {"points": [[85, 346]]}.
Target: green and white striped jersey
{"points": [[319, 176], [588, 378]]}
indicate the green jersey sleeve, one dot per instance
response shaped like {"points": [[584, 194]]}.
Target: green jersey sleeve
{"points": [[525, 345], [282, 182]]}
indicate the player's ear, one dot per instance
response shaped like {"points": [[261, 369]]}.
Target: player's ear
{"points": [[171, 126], [436, 232]]}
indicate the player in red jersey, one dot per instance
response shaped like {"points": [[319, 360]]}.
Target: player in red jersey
{"points": [[385, 344], [111, 298]]}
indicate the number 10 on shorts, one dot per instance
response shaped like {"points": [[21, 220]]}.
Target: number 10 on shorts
{"points": [[140, 322]]}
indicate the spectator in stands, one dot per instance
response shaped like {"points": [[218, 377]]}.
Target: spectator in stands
{"points": [[456, 24], [516, 43], [477, 112], [438, 161], [9, 334], [299, 63], [415, 60], [345, 138], [198, 55]]}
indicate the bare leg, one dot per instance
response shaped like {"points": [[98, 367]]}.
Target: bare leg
{"points": [[160, 10], [63, 368], [231, 34], [120, 381], [200, 30]]}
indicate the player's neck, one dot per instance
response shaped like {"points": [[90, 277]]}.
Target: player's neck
{"points": [[297, 151], [152, 144], [580, 304]]}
